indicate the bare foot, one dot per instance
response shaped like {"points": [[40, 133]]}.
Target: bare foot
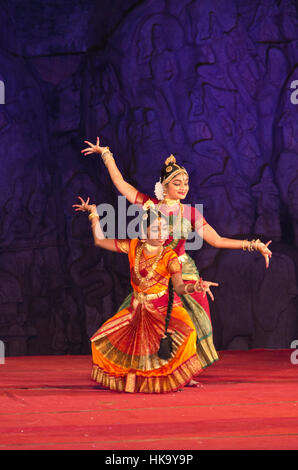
{"points": [[194, 383]]}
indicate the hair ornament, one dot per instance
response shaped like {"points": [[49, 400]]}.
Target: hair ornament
{"points": [[170, 159], [159, 190]]}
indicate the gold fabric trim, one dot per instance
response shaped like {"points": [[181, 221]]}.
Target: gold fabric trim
{"points": [[142, 297], [189, 269], [122, 246], [142, 363], [135, 382], [130, 383], [205, 348], [112, 326]]}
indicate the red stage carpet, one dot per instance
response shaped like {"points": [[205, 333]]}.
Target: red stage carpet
{"points": [[249, 400]]}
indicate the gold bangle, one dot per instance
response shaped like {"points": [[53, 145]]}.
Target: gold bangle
{"points": [[186, 288], [92, 215], [243, 247]]}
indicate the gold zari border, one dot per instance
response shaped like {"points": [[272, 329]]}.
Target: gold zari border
{"points": [[133, 382]]}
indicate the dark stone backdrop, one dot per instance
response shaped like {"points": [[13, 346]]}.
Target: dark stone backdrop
{"points": [[208, 81]]}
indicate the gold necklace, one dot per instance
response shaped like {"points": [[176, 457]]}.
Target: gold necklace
{"points": [[150, 248], [171, 202], [153, 267]]}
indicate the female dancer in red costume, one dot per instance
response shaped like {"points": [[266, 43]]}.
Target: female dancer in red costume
{"points": [[126, 350], [170, 191]]}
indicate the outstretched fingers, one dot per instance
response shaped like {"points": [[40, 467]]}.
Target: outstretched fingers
{"points": [[210, 294], [267, 254], [208, 289], [88, 149]]}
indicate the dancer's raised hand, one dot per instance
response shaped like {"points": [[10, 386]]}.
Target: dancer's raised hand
{"points": [[206, 288], [84, 206], [93, 148]]}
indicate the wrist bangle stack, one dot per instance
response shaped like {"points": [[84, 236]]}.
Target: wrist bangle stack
{"points": [[107, 156], [253, 245]]}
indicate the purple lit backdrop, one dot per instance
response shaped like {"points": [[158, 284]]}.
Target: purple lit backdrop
{"points": [[208, 81]]}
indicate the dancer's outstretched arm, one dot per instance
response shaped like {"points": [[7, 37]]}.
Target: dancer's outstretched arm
{"points": [[126, 189], [182, 288], [98, 235], [214, 239]]}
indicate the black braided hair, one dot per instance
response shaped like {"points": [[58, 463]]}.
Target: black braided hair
{"points": [[170, 303], [166, 342]]}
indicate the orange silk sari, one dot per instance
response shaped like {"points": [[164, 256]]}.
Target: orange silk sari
{"points": [[124, 349]]}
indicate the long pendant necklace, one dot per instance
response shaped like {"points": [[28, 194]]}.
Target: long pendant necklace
{"points": [[150, 273]]}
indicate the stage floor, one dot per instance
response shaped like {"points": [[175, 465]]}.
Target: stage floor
{"points": [[248, 400]]}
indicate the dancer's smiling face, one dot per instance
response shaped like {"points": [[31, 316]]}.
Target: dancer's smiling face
{"points": [[178, 187]]}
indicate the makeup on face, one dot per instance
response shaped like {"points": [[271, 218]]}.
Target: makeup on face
{"points": [[158, 232], [178, 187]]}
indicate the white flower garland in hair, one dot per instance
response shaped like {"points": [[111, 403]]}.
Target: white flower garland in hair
{"points": [[159, 190]]}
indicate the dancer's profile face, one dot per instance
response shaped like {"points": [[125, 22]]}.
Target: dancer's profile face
{"points": [[178, 187], [158, 232]]}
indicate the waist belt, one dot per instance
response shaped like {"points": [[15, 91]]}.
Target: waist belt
{"points": [[142, 297]]}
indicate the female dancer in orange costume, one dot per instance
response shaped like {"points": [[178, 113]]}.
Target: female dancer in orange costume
{"points": [[170, 191], [125, 348]]}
